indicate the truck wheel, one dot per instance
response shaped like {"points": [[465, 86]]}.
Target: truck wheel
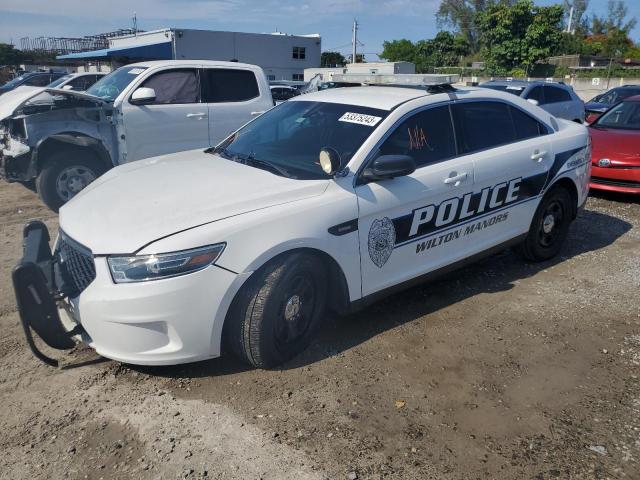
{"points": [[549, 227], [64, 174], [277, 313]]}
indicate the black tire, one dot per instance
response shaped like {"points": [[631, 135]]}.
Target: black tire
{"points": [[87, 166], [262, 327], [549, 227]]}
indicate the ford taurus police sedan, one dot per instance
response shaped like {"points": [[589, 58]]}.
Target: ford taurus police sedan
{"points": [[325, 202]]}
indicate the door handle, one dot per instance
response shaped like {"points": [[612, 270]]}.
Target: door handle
{"points": [[538, 155], [455, 179], [255, 114], [196, 115]]}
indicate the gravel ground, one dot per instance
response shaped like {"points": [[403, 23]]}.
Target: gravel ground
{"points": [[501, 370]]}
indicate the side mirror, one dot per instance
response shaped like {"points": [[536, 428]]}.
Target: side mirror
{"points": [[330, 160], [533, 101], [389, 166], [143, 96]]}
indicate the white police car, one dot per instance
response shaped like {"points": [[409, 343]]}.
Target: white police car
{"points": [[323, 203]]}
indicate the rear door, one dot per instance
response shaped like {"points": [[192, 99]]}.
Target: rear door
{"points": [[511, 155], [232, 97], [407, 224], [174, 122]]}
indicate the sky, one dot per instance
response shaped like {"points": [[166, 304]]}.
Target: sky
{"points": [[379, 20]]}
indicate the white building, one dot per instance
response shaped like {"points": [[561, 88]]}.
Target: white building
{"points": [[371, 68], [282, 56]]}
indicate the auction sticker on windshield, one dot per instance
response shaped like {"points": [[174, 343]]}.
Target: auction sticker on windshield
{"points": [[360, 119], [136, 71]]}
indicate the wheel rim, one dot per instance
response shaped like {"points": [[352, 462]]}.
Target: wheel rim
{"points": [[72, 180], [551, 224], [296, 310]]}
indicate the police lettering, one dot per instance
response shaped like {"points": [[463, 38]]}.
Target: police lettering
{"points": [[453, 210]]}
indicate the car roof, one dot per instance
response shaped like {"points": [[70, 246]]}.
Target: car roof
{"points": [[388, 98], [177, 63]]}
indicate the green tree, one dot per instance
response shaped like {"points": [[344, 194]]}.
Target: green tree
{"points": [[519, 35], [9, 55], [332, 59], [462, 17], [444, 50], [616, 19], [399, 51]]}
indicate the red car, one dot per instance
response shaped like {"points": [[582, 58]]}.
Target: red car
{"points": [[615, 140]]}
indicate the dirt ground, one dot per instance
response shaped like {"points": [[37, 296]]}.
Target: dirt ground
{"points": [[502, 370]]}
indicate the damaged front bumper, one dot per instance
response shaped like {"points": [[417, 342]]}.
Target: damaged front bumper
{"points": [[15, 160], [39, 288]]}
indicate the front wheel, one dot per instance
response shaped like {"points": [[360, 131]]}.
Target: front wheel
{"points": [[64, 175], [277, 313], [549, 227]]}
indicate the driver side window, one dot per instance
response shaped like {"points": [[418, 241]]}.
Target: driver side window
{"points": [[174, 86], [427, 137]]}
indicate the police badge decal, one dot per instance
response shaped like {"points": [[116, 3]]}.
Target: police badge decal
{"points": [[382, 238]]}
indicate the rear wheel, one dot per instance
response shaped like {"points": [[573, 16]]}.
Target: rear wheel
{"points": [[277, 313], [549, 227], [64, 175]]}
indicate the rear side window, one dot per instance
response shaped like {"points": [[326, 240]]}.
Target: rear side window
{"points": [[482, 125], [427, 137], [174, 86], [526, 126], [221, 85], [82, 83], [555, 94], [39, 81], [536, 94]]}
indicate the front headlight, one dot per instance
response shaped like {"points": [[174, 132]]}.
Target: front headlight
{"points": [[142, 268]]}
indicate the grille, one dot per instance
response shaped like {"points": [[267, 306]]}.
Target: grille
{"points": [[77, 264], [616, 183]]}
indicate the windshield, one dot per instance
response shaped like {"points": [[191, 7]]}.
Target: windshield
{"points": [[287, 139], [505, 88], [625, 115], [60, 81], [16, 81], [109, 87], [616, 95]]}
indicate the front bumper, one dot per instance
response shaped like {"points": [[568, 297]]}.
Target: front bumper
{"points": [[160, 322], [616, 179], [17, 165]]}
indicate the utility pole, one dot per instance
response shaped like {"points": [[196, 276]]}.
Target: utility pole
{"points": [[135, 24], [354, 41], [570, 20]]}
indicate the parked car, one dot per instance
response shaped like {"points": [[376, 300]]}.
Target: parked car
{"points": [[601, 103], [326, 202], [281, 93], [78, 82], [556, 98], [64, 139], [615, 140], [31, 79]]}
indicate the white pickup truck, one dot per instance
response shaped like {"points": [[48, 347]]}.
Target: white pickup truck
{"points": [[64, 140]]}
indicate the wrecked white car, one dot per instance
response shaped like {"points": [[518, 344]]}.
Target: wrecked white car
{"points": [[59, 141]]}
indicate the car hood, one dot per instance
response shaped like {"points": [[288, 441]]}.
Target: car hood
{"points": [[15, 99], [596, 107], [622, 147], [138, 203]]}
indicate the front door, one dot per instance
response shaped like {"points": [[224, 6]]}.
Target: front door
{"points": [[406, 223], [174, 122]]}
